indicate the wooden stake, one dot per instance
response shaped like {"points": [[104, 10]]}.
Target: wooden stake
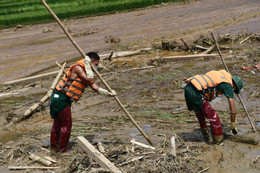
{"points": [[96, 155], [97, 73], [173, 147], [248, 116]]}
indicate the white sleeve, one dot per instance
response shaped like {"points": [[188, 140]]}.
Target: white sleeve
{"points": [[88, 69]]}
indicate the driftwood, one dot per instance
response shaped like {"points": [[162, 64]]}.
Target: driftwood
{"points": [[242, 138], [141, 144], [39, 159], [44, 99], [187, 57], [30, 167], [30, 78], [14, 93], [124, 53], [96, 155]]}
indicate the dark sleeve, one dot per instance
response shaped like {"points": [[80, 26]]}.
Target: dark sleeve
{"points": [[226, 89]]}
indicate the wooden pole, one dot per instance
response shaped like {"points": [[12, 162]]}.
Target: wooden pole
{"points": [[97, 73], [248, 116]]}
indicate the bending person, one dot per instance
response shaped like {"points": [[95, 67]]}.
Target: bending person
{"points": [[201, 89]]}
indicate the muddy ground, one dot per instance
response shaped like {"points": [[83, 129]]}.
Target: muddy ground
{"points": [[153, 96]]}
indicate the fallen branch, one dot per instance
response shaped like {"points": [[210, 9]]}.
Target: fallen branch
{"points": [[30, 167], [43, 100], [39, 159], [96, 155], [141, 144]]}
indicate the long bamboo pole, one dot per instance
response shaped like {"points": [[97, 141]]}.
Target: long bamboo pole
{"points": [[97, 73], [225, 65]]}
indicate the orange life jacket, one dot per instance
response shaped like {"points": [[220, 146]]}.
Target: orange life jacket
{"points": [[208, 82], [73, 87]]}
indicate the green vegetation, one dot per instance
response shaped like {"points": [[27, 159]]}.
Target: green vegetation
{"points": [[14, 12]]}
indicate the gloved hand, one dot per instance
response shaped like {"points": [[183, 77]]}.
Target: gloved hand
{"points": [[233, 128], [106, 92]]}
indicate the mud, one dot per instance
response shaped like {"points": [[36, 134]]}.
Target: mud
{"points": [[153, 96]]}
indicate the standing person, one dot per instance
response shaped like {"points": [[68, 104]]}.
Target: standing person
{"points": [[69, 89], [201, 89]]}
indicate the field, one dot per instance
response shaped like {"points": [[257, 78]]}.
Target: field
{"points": [[18, 12], [153, 96]]}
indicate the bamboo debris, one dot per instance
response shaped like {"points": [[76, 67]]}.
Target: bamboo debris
{"points": [[30, 167], [141, 144], [200, 47], [209, 50], [44, 99], [50, 159], [39, 159], [131, 160], [124, 53], [173, 147], [245, 39], [203, 170], [32, 77], [96, 155], [187, 57], [101, 148]]}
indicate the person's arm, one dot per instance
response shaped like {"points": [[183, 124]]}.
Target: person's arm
{"points": [[232, 116], [79, 71], [232, 109]]}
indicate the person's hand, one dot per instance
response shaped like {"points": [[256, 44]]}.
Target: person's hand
{"points": [[233, 128], [106, 92], [113, 93]]}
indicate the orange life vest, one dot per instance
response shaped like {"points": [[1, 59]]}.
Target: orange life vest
{"points": [[73, 87], [208, 82]]}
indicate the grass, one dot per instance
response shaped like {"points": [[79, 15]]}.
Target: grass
{"points": [[14, 12]]}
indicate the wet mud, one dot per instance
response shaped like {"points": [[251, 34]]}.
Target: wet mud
{"points": [[152, 96]]}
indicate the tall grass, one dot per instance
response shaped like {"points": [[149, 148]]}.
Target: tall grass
{"points": [[14, 12]]}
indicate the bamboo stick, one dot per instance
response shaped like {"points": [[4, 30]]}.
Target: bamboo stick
{"points": [[222, 59]]}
